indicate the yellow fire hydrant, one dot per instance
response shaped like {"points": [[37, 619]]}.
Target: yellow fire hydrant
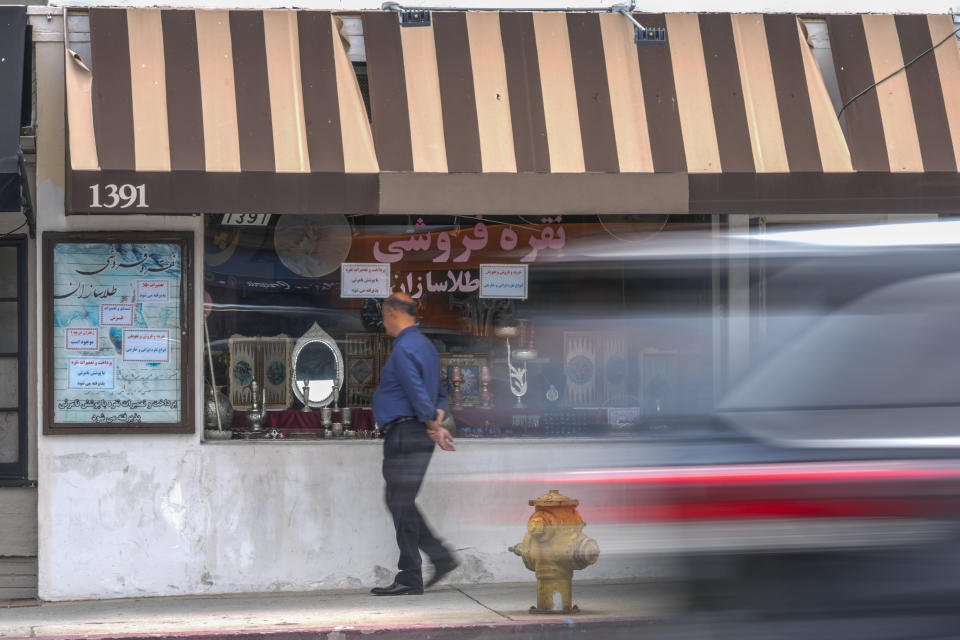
{"points": [[553, 547]]}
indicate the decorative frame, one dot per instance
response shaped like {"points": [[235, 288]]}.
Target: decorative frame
{"points": [[81, 270], [317, 335], [266, 358], [470, 367], [616, 371], [659, 379], [362, 370], [582, 365], [599, 369], [365, 355]]}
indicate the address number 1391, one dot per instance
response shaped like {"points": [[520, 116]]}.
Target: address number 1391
{"points": [[123, 196]]}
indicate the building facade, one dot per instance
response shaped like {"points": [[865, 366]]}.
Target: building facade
{"points": [[219, 190]]}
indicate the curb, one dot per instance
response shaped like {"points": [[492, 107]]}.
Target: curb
{"points": [[373, 632]]}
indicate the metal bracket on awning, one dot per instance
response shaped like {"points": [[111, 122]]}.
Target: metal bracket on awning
{"points": [[655, 35], [414, 18], [641, 34], [420, 17], [409, 17]]}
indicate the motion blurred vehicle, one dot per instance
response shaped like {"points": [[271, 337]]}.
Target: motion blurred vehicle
{"points": [[812, 461], [828, 474]]}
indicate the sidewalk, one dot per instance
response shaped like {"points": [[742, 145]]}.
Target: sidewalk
{"points": [[447, 611]]}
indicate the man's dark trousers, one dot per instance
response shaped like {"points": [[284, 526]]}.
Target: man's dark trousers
{"points": [[407, 450]]}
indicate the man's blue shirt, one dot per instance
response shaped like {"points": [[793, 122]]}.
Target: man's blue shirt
{"points": [[410, 381]]}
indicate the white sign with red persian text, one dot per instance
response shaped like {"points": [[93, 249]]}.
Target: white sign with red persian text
{"points": [[82, 338], [364, 280], [504, 281]]}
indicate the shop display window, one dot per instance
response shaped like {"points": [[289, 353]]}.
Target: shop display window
{"points": [[566, 326], [13, 360]]}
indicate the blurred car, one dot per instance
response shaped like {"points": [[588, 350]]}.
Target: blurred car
{"points": [[828, 475]]}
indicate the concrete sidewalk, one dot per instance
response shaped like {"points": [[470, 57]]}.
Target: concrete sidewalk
{"points": [[454, 611]]}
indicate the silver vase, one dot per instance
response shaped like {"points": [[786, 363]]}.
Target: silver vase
{"points": [[216, 401]]}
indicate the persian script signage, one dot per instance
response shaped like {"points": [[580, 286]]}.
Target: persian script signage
{"points": [[90, 373], [456, 248], [430, 261], [116, 317], [82, 339], [364, 280], [153, 290], [146, 345], [503, 281]]}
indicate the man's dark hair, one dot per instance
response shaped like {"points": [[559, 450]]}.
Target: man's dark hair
{"points": [[401, 305]]}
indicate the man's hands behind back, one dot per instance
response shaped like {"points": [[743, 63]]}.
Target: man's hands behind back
{"points": [[438, 433]]}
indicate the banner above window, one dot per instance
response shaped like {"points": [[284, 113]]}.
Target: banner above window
{"points": [[488, 112]]}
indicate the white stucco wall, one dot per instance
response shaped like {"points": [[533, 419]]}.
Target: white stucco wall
{"points": [[165, 515], [102, 522]]}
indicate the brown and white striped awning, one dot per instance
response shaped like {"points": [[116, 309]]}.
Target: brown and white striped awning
{"points": [[509, 112]]}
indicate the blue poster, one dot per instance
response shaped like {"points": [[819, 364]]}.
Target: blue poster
{"points": [[116, 328]]}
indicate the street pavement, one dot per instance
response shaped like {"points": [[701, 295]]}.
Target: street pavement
{"points": [[609, 611], [454, 611]]}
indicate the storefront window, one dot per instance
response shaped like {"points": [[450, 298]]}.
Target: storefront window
{"points": [[13, 358], [607, 333]]}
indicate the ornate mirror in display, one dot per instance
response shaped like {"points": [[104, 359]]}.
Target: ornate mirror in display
{"points": [[317, 369]]}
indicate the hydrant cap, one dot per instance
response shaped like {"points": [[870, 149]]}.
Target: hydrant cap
{"points": [[554, 498]]}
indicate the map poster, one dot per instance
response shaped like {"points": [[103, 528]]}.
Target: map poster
{"points": [[116, 318]]}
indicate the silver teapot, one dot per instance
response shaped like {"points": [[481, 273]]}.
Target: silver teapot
{"points": [[258, 411]]}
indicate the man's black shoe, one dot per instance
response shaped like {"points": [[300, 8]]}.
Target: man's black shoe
{"points": [[397, 589], [440, 571]]}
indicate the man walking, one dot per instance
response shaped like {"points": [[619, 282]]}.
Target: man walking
{"points": [[409, 406]]}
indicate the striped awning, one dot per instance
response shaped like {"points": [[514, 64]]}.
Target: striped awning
{"points": [[911, 123], [508, 112], [902, 127], [218, 111]]}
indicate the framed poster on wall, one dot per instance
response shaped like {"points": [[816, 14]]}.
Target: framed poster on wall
{"points": [[117, 332]]}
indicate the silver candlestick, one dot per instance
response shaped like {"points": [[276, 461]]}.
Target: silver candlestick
{"points": [[518, 374], [306, 396]]}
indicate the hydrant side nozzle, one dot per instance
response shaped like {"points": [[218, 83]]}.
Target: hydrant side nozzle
{"points": [[586, 552], [537, 526]]}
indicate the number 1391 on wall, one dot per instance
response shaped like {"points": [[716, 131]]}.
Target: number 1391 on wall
{"points": [[123, 196]]}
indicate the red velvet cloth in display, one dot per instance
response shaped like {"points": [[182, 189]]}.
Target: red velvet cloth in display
{"points": [[495, 421], [297, 421], [528, 421]]}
